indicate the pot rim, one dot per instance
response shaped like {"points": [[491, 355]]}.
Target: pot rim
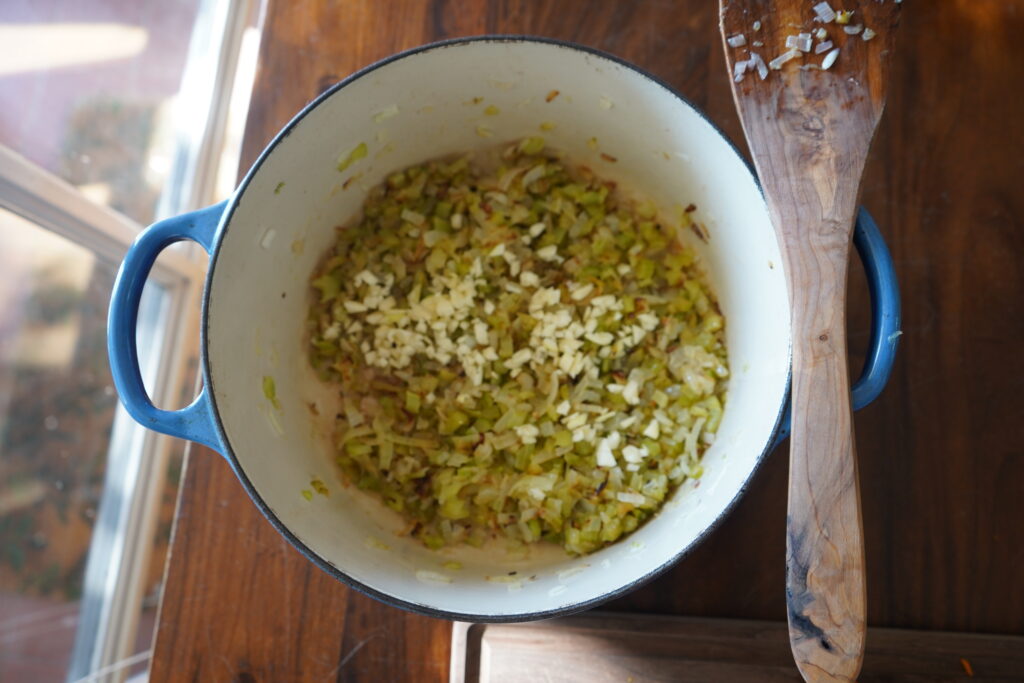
{"points": [[236, 465]]}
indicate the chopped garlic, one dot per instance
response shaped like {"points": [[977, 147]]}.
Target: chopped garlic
{"points": [[783, 58], [581, 293], [549, 253], [738, 69], [527, 433], [762, 68], [648, 321], [367, 278], [801, 42], [575, 420], [825, 12], [631, 392], [480, 332], [528, 279], [830, 59], [604, 455], [634, 454]]}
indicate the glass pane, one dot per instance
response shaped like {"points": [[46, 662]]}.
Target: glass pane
{"points": [[87, 89], [57, 405], [57, 408]]}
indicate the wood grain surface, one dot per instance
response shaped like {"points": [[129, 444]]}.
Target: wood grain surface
{"points": [[809, 133], [942, 451]]}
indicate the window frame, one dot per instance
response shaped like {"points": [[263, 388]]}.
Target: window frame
{"points": [[137, 458], [135, 455]]}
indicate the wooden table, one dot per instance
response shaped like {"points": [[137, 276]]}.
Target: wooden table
{"points": [[941, 452]]}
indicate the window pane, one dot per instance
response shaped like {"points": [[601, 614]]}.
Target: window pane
{"points": [[57, 406], [87, 88]]}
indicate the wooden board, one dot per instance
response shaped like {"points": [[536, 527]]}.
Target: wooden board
{"points": [[634, 648]]}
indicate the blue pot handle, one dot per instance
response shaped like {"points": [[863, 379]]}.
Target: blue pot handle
{"points": [[196, 422], [885, 317]]}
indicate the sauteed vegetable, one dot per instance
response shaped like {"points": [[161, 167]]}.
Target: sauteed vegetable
{"points": [[520, 352]]}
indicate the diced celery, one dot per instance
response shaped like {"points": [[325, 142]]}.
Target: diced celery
{"points": [[359, 152], [453, 422], [329, 287]]}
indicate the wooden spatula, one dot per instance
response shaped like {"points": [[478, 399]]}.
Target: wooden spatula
{"points": [[809, 130]]}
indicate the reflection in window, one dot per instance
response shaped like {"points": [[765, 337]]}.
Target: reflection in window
{"points": [[87, 91], [57, 405]]}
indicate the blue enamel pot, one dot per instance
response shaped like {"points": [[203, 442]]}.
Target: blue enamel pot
{"points": [[265, 241]]}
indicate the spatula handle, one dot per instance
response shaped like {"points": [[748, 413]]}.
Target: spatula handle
{"points": [[825, 581]]}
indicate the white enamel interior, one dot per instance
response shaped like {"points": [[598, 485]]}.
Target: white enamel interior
{"points": [[258, 296]]}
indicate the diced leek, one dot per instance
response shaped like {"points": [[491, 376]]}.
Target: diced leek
{"points": [[359, 152], [531, 146], [270, 391], [715, 412]]}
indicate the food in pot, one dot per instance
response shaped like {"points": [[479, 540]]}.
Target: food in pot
{"points": [[520, 352]]}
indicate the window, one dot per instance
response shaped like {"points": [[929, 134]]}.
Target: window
{"points": [[112, 114], [58, 434]]}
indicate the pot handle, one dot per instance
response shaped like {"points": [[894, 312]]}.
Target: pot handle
{"points": [[196, 422], [884, 291]]}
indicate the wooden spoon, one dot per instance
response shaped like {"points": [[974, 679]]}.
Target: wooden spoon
{"points": [[809, 131]]}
